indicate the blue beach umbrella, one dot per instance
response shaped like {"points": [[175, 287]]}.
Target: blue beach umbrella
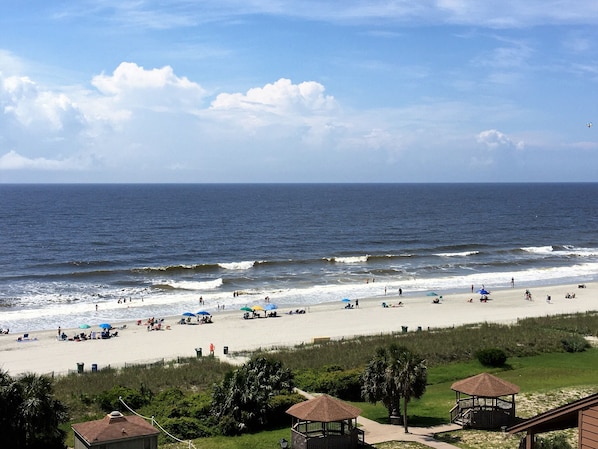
{"points": [[432, 294], [483, 292], [203, 312], [188, 314], [345, 300], [270, 307], [84, 326], [105, 326]]}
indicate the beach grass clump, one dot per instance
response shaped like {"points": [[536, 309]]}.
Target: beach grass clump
{"points": [[575, 343]]}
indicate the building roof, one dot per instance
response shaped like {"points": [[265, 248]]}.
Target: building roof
{"points": [[324, 408], [485, 385], [564, 417], [113, 427]]}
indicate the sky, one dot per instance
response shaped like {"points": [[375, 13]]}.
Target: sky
{"points": [[275, 91]]}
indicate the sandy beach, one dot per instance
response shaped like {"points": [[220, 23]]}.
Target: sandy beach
{"points": [[43, 353]]}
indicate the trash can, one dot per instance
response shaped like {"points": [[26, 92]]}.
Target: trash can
{"points": [[198, 352], [94, 367], [225, 349], [80, 367], [404, 328]]}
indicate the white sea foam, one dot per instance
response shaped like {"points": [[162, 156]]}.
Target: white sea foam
{"points": [[246, 265], [538, 249], [458, 254], [195, 285], [355, 259]]}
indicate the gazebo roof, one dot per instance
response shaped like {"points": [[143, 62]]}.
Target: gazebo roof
{"points": [[114, 426], [324, 408], [485, 385]]}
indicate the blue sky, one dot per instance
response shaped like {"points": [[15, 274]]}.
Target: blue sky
{"points": [[298, 91]]}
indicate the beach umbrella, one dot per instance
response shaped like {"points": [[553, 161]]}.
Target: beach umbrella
{"points": [[432, 294], [483, 292], [188, 314], [271, 307], [246, 309], [257, 308], [105, 326], [84, 326], [345, 300], [203, 312]]}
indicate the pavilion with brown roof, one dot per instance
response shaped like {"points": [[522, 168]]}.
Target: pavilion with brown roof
{"points": [[490, 402], [325, 422], [116, 431]]}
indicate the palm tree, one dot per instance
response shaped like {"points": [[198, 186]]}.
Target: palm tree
{"points": [[393, 374], [30, 416], [412, 377], [379, 384], [242, 400], [39, 414]]}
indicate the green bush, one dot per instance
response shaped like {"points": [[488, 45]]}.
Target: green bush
{"points": [[575, 343], [184, 428], [277, 407], [109, 400], [335, 381], [493, 357]]}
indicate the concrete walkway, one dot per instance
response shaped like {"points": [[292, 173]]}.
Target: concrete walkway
{"points": [[374, 432]]}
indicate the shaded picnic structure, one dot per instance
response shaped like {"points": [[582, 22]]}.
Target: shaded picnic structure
{"points": [[116, 431], [489, 402], [582, 414], [325, 422]]}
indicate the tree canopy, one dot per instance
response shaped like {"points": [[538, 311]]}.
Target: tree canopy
{"points": [[242, 400], [394, 374], [30, 416]]}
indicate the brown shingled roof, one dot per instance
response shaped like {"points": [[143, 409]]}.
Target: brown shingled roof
{"points": [[485, 385], [114, 426], [324, 408]]}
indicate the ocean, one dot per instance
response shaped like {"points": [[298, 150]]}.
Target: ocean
{"points": [[87, 254]]}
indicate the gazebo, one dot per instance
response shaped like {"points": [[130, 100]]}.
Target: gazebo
{"points": [[325, 423], [490, 402]]}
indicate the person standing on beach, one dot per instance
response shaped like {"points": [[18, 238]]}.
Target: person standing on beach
{"points": [[512, 282], [211, 348]]}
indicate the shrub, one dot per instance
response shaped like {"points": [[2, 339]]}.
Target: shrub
{"points": [[184, 428], [493, 357], [278, 405], [575, 343], [335, 381], [108, 400]]}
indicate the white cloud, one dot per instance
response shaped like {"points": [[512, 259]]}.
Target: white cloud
{"points": [[30, 105], [495, 140], [281, 97], [14, 161], [131, 86]]}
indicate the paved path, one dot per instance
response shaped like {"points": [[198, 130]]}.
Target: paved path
{"points": [[374, 432]]}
